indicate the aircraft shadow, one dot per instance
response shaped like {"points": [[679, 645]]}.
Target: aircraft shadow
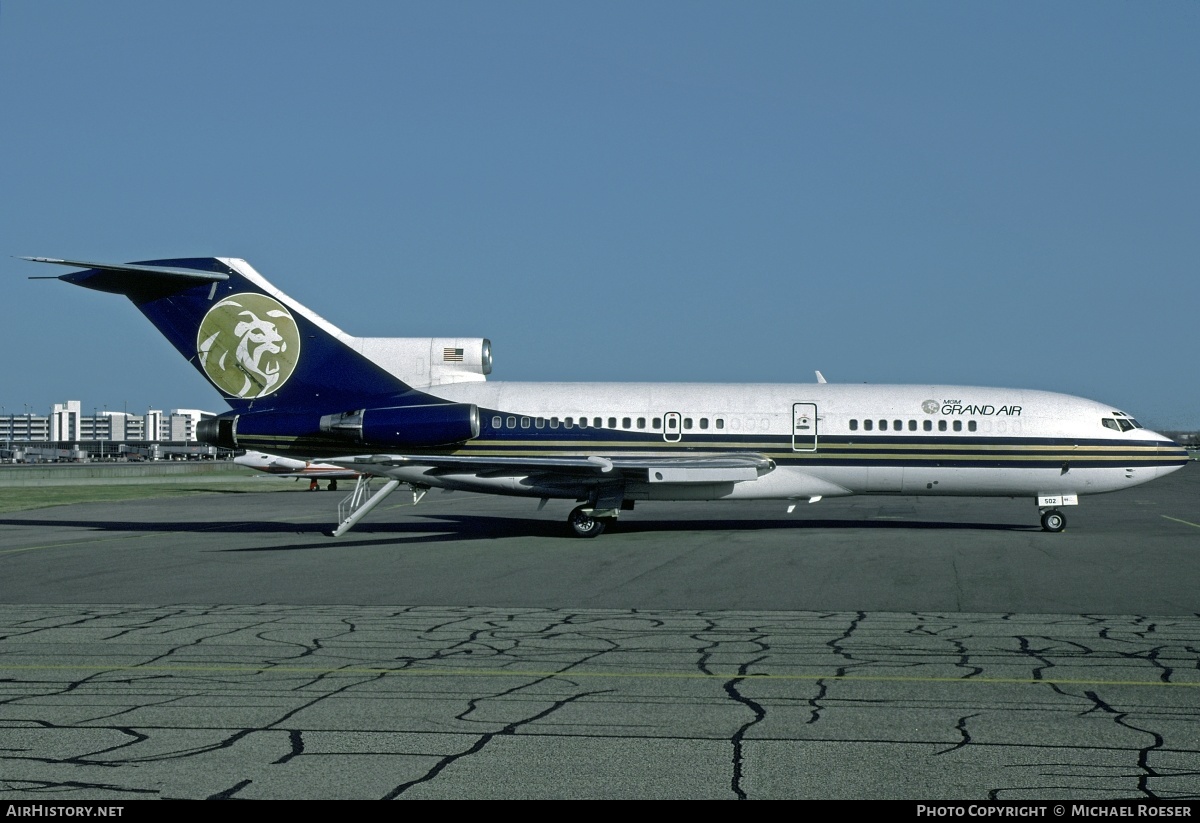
{"points": [[458, 528], [231, 527]]}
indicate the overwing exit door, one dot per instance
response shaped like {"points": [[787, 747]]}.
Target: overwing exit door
{"points": [[671, 430]]}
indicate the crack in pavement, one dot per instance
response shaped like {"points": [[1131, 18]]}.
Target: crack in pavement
{"points": [[392, 701]]}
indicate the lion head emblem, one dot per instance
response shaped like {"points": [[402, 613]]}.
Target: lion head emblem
{"points": [[248, 345], [929, 406]]}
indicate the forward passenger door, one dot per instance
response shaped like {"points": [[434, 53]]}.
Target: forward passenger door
{"points": [[804, 427]]}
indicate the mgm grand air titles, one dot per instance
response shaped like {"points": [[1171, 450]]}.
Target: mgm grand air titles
{"points": [[952, 407]]}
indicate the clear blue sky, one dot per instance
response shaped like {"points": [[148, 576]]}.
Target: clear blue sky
{"points": [[997, 193]]}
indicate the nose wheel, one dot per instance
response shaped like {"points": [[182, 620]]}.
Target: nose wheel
{"points": [[1053, 521]]}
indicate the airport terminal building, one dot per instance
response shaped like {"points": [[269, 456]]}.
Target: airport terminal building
{"points": [[67, 434]]}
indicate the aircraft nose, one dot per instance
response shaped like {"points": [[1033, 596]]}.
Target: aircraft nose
{"points": [[1170, 455]]}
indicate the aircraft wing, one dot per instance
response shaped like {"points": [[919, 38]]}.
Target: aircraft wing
{"points": [[718, 467]]}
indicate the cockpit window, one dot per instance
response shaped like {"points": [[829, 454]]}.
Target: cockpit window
{"points": [[1109, 423], [1124, 422]]}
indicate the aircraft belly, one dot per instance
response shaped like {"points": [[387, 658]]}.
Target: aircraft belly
{"points": [[787, 482], [1018, 482], [885, 479], [680, 491]]}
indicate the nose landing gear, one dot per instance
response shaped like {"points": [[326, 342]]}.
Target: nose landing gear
{"points": [[1053, 521]]}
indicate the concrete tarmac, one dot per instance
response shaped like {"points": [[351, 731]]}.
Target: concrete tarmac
{"points": [[223, 646]]}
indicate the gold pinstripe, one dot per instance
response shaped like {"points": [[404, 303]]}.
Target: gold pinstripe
{"points": [[944, 452]]}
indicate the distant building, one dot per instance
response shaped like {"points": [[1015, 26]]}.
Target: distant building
{"points": [[183, 423], [65, 421], [105, 434]]}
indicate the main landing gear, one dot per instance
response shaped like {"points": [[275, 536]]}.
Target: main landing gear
{"points": [[603, 505], [1053, 521], [585, 523]]}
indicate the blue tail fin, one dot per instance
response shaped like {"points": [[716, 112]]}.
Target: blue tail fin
{"points": [[258, 347]]}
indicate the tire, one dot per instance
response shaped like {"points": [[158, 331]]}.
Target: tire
{"points": [[1053, 521], [583, 524]]}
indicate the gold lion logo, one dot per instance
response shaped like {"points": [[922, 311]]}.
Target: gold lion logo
{"points": [[248, 345]]}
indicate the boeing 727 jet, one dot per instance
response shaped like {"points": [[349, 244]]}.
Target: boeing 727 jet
{"points": [[420, 412]]}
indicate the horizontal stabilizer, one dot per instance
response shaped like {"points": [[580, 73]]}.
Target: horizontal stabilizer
{"points": [[130, 278]]}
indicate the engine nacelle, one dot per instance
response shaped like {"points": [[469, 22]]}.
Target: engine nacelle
{"points": [[429, 361], [402, 427], [398, 427], [266, 431]]}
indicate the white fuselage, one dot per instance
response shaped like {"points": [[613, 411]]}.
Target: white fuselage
{"points": [[825, 439]]}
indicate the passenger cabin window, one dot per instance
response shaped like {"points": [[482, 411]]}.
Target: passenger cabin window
{"points": [[497, 422], [656, 423], [958, 425], [704, 422], [626, 423], [512, 422], [539, 422], [612, 422], [641, 422], [972, 425], [853, 425], [554, 422], [912, 425], [687, 422], [597, 422], [720, 422], [868, 425], [883, 425], [927, 425], [524, 422], [941, 425]]}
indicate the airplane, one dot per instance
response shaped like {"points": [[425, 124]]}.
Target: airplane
{"points": [[278, 466], [420, 412]]}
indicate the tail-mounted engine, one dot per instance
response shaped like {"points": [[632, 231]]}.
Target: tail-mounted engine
{"points": [[398, 427], [406, 426], [422, 362]]}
